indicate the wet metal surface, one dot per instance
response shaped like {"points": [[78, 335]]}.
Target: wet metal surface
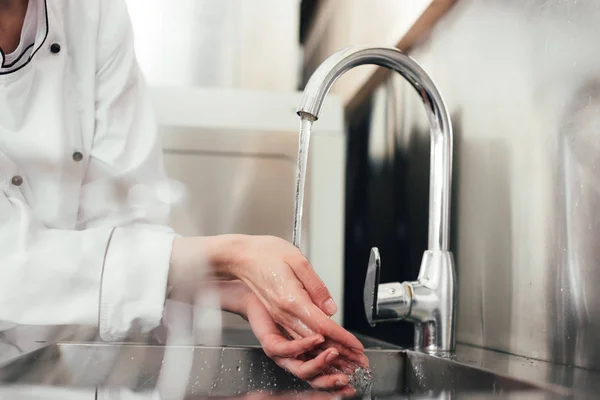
{"points": [[197, 372]]}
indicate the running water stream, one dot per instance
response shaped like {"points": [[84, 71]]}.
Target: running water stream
{"points": [[360, 378], [305, 127]]}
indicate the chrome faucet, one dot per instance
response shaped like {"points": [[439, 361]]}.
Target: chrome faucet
{"points": [[429, 302]]}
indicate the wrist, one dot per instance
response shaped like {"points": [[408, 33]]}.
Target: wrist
{"points": [[235, 296], [221, 254], [218, 253]]}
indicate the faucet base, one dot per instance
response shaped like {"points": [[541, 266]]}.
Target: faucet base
{"points": [[429, 302], [433, 302]]}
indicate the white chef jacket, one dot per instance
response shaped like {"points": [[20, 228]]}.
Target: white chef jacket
{"points": [[83, 194]]}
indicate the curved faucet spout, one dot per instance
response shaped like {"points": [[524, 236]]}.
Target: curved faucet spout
{"points": [[441, 130], [430, 301]]}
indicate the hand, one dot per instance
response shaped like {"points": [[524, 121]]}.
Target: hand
{"points": [[287, 353], [260, 395], [280, 277]]}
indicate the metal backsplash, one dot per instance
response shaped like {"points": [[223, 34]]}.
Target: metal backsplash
{"points": [[522, 82]]}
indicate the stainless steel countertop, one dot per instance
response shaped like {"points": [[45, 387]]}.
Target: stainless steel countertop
{"points": [[561, 380], [582, 382]]}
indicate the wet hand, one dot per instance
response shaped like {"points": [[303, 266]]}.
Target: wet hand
{"points": [[289, 354], [279, 276], [290, 289]]}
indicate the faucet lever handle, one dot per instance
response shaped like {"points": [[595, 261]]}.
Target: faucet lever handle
{"points": [[387, 301], [370, 291]]}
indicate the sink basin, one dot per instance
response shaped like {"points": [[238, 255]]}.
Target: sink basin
{"points": [[197, 372]]}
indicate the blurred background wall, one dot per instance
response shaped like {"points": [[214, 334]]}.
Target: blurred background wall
{"points": [[220, 44]]}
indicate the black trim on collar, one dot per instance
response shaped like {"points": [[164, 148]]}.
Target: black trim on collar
{"points": [[34, 51], [18, 58]]}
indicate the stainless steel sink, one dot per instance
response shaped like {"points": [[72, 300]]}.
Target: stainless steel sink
{"points": [[196, 372]]}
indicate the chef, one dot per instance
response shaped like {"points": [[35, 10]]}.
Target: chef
{"points": [[84, 201]]}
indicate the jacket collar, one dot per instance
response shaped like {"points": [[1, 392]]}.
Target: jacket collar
{"points": [[43, 28]]}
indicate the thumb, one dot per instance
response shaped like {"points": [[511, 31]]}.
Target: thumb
{"points": [[315, 287]]}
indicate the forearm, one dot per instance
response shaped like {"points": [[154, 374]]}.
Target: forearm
{"points": [[217, 253]]}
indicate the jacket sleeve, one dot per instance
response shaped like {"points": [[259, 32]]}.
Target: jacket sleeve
{"points": [[112, 270], [126, 186]]}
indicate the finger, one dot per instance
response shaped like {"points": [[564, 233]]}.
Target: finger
{"points": [[301, 396], [348, 359], [347, 391], [338, 366], [307, 319], [329, 381], [345, 353], [315, 287], [317, 322], [272, 338], [344, 366], [317, 396], [276, 345], [309, 369], [293, 334], [356, 355], [301, 328], [264, 327]]}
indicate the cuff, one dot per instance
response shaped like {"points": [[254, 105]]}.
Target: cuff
{"points": [[134, 282]]}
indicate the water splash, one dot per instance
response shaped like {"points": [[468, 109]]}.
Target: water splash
{"points": [[305, 127], [359, 378], [362, 380]]}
